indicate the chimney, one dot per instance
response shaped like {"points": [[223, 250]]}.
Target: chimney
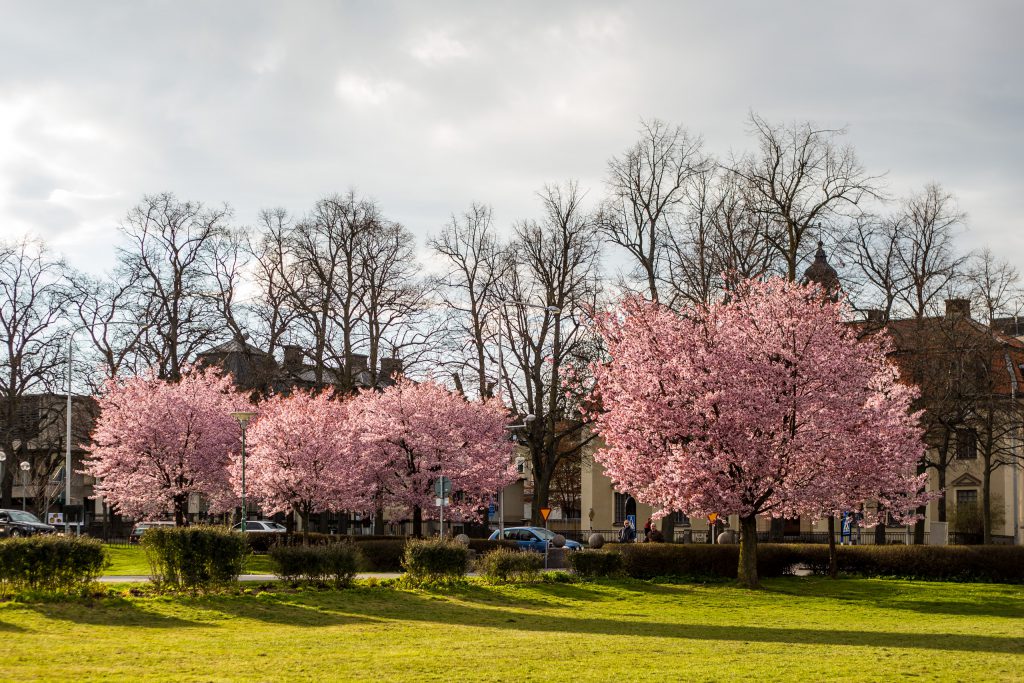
{"points": [[958, 308], [293, 357], [357, 363], [390, 369], [875, 315]]}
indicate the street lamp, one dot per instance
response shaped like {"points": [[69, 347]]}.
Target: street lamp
{"points": [[24, 482], [243, 418], [3, 457], [501, 377]]}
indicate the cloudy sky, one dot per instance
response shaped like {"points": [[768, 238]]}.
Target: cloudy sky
{"points": [[428, 106]]}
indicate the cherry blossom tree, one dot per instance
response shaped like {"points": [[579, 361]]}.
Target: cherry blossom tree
{"points": [[766, 404], [158, 442], [411, 434], [299, 459]]}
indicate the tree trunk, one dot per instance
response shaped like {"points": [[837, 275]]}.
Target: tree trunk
{"points": [[417, 522], [941, 472], [541, 495], [748, 552], [180, 511], [833, 560], [986, 503], [304, 517], [668, 527], [378, 521]]}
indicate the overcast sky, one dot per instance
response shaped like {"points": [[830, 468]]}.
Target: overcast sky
{"points": [[429, 106]]}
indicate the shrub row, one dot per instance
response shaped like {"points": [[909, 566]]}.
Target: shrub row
{"points": [[335, 562], [1002, 564], [505, 565], [195, 557], [50, 563]]}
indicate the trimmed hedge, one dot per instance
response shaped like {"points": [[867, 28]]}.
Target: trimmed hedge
{"points": [[997, 564], [194, 557], [504, 565], [50, 563], [382, 555], [596, 563], [990, 564], [435, 560], [335, 562]]}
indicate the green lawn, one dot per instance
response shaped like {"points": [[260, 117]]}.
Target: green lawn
{"points": [[132, 561], [797, 629]]}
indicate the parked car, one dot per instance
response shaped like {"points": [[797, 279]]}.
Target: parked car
{"points": [[141, 527], [533, 538], [262, 525], [14, 523]]}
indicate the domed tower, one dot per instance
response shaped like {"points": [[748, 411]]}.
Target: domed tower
{"points": [[822, 274]]}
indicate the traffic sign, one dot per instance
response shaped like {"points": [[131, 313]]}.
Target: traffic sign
{"points": [[441, 502], [442, 487], [713, 517], [544, 512], [55, 518]]}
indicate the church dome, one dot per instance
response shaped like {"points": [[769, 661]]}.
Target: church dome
{"points": [[821, 273]]}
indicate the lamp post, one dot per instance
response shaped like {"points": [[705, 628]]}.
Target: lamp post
{"points": [[24, 482], [501, 377], [3, 457], [243, 418]]}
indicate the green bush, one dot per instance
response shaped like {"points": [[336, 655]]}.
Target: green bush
{"points": [[434, 560], [504, 565], [50, 563], [194, 557], [996, 564], [263, 541], [648, 560], [596, 563], [382, 555], [483, 545], [335, 562]]}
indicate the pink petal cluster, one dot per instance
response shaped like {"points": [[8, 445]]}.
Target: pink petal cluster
{"points": [[158, 442], [764, 404], [299, 459], [411, 434]]}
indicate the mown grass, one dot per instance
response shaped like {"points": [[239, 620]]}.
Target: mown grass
{"points": [[132, 562], [797, 629]]}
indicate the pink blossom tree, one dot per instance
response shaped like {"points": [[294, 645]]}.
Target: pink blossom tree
{"points": [[766, 404], [411, 434], [299, 459], [158, 442]]}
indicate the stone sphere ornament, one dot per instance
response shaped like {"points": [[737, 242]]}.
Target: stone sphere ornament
{"points": [[595, 541]]}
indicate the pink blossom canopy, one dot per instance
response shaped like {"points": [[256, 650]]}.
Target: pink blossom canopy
{"points": [[765, 404]]}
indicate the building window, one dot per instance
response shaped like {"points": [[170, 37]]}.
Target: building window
{"points": [[625, 505], [966, 444], [966, 497]]}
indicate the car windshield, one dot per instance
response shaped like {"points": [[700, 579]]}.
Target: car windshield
{"points": [[544, 534], [19, 516]]}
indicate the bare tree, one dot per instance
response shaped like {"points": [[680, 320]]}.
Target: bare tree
{"points": [[647, 189], [269, 256], [548, 293], [993, 284], [393, 296], [168, 244], [32, 354], [875, 245], [474, 262], [927, 255], [803, 182]]}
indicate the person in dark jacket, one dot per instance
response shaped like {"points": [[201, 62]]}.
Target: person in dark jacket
{"points": [[628, 534]]}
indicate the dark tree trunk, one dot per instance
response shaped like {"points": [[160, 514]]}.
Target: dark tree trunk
{"points": [[378, 521], [181, 511], [941, 472], [417, 522], [668, 527], [748, 552], [986, 503], [833, 560], [777, 528], [880, 533]]}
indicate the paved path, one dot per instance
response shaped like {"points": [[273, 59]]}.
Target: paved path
{"points": [[255, 578]]}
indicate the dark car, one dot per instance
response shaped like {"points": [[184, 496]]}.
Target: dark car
{"points": [[141, 527], [533, 538], [14, 523]]}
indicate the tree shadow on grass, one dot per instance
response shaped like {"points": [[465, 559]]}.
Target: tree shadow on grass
{"points": [[895, 595], [8, 627], [290, 610], [416, 607], [110, 613]]}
